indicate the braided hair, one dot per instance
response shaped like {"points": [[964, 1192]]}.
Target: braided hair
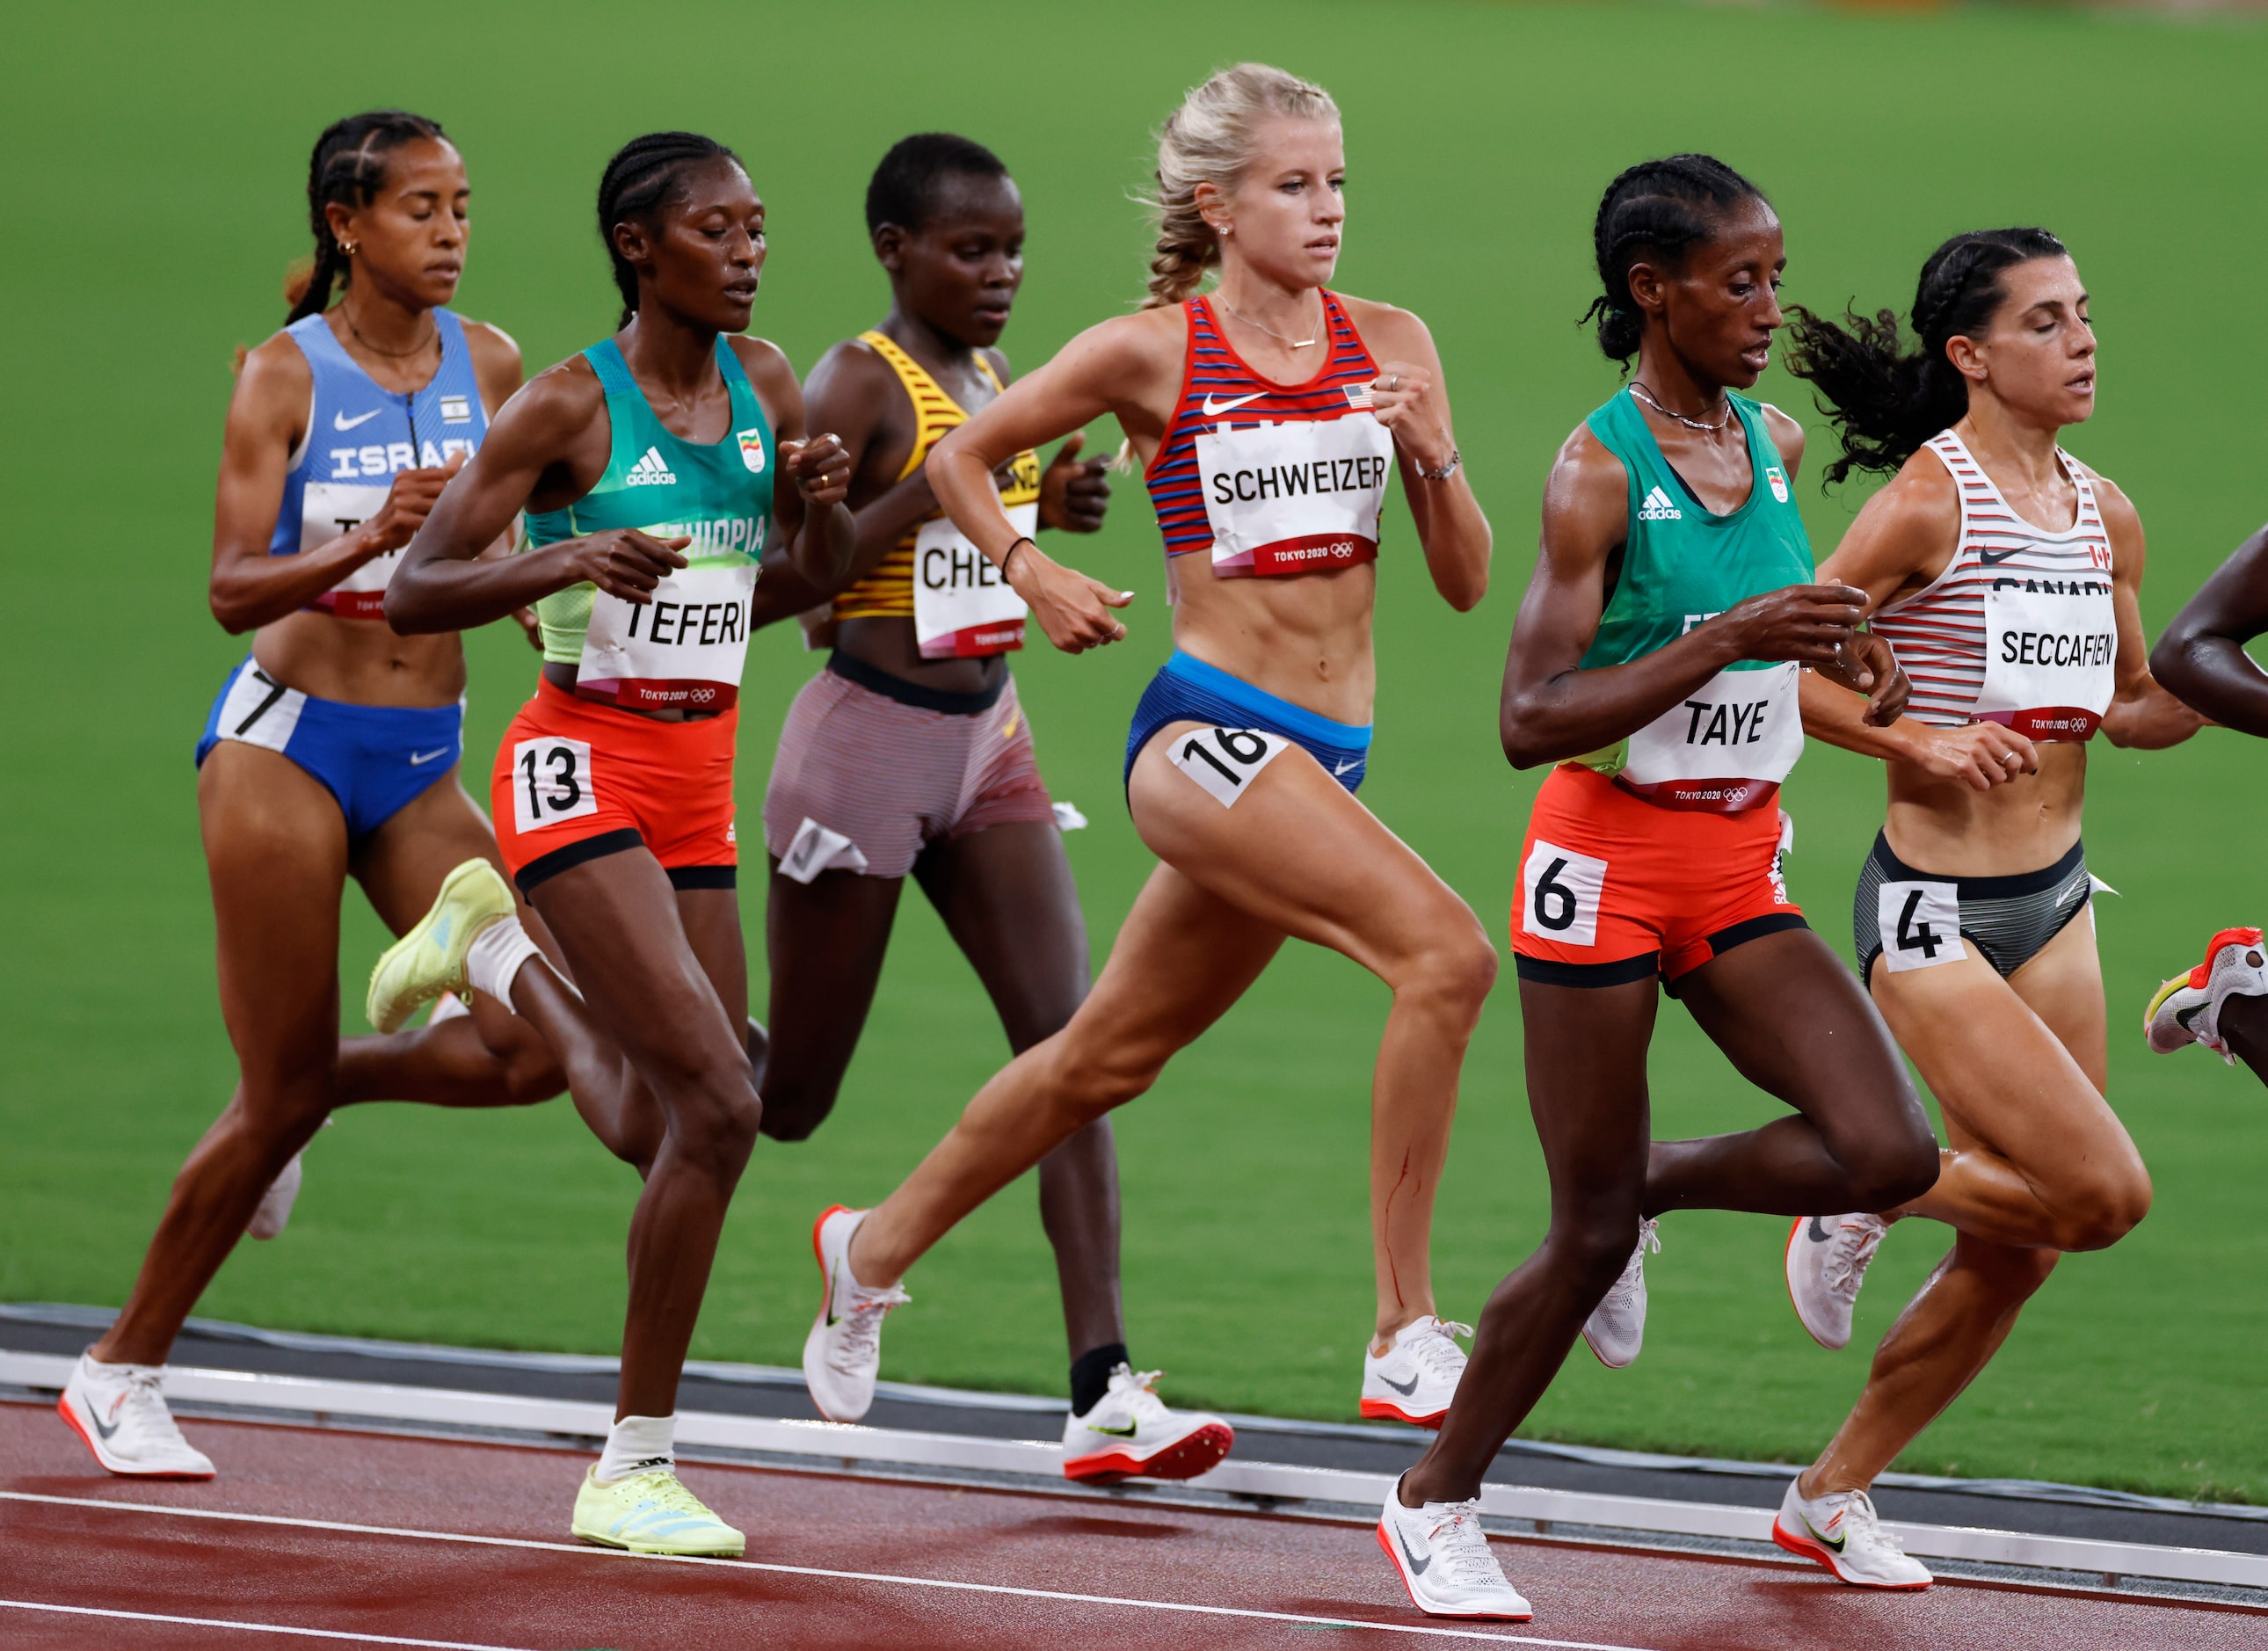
{"points": [[1658, 209], [348, 169], [646, 176], [1886, 403]]}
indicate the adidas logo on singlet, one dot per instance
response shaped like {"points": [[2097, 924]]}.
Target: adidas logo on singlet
{"points": [[651, 472], [1657, 507]]}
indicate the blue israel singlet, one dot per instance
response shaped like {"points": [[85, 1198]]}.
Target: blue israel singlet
{"points": [[358, 436]]}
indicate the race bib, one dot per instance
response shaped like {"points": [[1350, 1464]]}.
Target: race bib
{"points": [[552, 781], [1920, 925], [259, 710], [963, 610], [684, 647], [1224, 761], [1296, 498], [815, 849], [328, 509], [1559, 892], [1723, 748], [2051, 655]]}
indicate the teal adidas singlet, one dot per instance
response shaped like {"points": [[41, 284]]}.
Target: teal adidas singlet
{"points": [[1726, 746], [686, 647]]}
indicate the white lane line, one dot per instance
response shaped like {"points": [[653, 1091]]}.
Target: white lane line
{"points": [[250, 1627], [806, 1570]]}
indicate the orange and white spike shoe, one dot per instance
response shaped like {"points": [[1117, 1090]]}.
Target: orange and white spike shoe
{"points": [[2187, 1008], [1131, 1433]]}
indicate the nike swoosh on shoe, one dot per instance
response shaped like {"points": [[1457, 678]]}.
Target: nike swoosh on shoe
{"points": [[1405, 1388], [1418, 1567]]}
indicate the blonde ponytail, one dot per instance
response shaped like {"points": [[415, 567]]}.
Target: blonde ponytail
{"points": [[1210, 139]]}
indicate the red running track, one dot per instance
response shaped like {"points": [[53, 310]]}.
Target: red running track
{"points": [[465, 1544]]}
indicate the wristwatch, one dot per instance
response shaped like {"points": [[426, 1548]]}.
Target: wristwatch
{"points": [[1446, 471]]}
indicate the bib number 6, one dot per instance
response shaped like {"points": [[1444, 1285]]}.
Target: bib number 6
{"points": [[551, 782], [1559, 892], [1224, 761]]}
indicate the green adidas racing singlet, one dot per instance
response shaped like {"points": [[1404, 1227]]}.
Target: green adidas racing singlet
{"points": [[1727, 745], [685, 646]]}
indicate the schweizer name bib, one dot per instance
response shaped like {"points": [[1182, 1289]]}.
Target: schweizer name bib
{"points": [[1725, 748], [1298, 497], [963, 610], [2051, 656]]}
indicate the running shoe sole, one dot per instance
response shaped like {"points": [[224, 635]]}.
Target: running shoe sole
{"points": [[1804, 1548], [390, 1012], [1387, 1545], [63, 1410], [688, 1551], [1202, 1451], [1388, 1411]]}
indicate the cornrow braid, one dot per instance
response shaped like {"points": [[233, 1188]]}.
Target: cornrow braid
{"points": [[1884, 401], [348, 169], [642, 178], [1661, 207]]}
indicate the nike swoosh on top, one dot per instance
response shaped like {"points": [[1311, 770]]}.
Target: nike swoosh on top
{"points": [[1214, 410], [340, 421], [418, 759], [1418, 1567], [1993, 558], [1404, 1388]]}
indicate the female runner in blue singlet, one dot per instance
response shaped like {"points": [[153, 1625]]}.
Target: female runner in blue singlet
{"points": [[1269, 413], [332, 750]]}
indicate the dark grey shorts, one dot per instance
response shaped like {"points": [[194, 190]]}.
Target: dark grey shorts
{"points": [[1909, 916]]}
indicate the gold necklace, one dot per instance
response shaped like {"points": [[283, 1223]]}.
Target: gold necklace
{"points": [[1296, 343], [1646, 394]]}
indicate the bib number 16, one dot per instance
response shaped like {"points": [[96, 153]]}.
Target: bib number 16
{"points": [[551, 782], [1223, 760]]}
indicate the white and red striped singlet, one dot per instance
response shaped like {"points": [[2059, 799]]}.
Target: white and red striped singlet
{"points": [[1272, 478], [2020, 627]]}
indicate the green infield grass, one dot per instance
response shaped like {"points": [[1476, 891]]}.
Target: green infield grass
{"points": [[155, 193]]}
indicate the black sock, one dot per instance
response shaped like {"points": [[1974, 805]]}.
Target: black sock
{"points": [[1090, 1375]]}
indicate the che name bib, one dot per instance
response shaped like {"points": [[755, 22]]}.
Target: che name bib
{"points": [[963, 610], [328, 509], [1298, 497], [1723, 748], [683, 648], [2051, 656]]}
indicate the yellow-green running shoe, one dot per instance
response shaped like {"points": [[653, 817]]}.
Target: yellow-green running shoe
{"points": [[430, 959], [651, 1512]]}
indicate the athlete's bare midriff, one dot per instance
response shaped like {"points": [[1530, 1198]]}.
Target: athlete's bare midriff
{"points": [[361, 661], [1946, 827], [1306, 637]]}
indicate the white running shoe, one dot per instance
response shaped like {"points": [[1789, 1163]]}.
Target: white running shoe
{"points": [[2187, 1008], [843, 1352], [120, 1411], [1416, 1377], [1616, 1328], [1131, 1433], [1841, 1531], [273, 1210], [1445, 1562], [1827, 1261]]}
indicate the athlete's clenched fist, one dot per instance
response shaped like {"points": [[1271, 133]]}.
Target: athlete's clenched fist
{"points": [[820, 468]]}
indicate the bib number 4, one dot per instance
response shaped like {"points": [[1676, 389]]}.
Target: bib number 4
{"points": [[1920, 925], [551, 783], [1224, 761]]}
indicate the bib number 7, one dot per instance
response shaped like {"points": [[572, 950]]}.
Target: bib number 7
{"points": [[551, 782], [1224, 761], [1920, 925]]}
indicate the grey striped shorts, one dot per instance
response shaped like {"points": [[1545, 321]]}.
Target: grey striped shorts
{"points": [[1908, 917]]}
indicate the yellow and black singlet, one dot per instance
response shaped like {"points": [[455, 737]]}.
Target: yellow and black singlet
{"points": [[887, 591]]}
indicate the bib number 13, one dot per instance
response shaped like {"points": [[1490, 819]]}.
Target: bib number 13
{"points": [[551, 782], [1223, 760]]}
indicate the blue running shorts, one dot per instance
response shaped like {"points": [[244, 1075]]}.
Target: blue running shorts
{"points": [[1189, 691]]}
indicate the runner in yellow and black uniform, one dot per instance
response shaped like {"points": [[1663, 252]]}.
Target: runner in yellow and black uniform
{"points": [[909, 753]]}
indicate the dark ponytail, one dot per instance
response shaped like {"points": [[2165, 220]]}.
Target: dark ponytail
{"points": [[348, 168], [1886, 404], [642, 178], [1661, 208]]}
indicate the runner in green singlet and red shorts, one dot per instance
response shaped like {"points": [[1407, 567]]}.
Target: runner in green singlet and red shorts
{"points": [[1656, 660], [652, 468]]}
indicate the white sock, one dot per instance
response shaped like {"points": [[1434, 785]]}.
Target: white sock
{"points": [[495, 956], [638, 1444]]}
